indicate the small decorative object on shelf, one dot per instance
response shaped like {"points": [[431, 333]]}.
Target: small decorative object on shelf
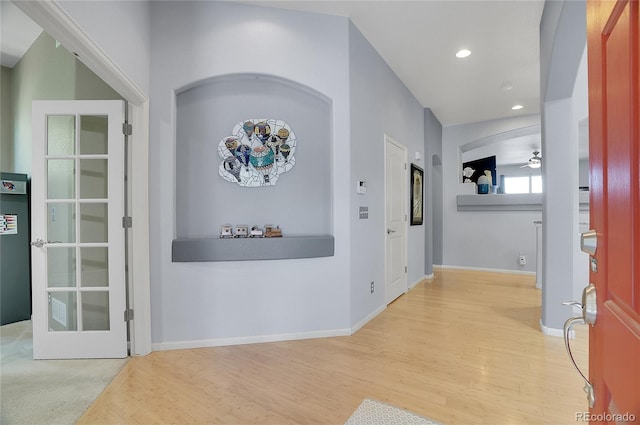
{"points": [[242, 231], [484, 183], [256, 232], [272, 231], [226, 231]]}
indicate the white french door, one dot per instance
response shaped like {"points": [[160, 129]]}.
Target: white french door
{"points": [[396, 196], [77, 203]]}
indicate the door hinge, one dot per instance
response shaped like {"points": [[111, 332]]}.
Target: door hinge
{"points": [[405, 269], [128, 315], [127, 129], [405, 165], [127, 222]]}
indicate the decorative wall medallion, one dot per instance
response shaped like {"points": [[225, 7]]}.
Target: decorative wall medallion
{"points": [[257, 152]]}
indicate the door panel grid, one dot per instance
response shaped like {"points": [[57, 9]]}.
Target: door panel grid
{"points": [[79, 299]]}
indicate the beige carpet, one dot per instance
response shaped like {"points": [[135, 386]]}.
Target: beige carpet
{"points": [[46, 391], [371, 412]]}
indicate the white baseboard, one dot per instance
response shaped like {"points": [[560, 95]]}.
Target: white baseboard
{"points": [[364, 321], [555, 332], [423, 278], [482, 269], [429, 276], [219, 342]]}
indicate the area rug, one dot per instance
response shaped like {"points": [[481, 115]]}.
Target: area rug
{"points": [[371, 412]]}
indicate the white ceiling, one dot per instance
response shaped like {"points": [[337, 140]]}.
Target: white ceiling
{"points": [[18, 33], [418, 39]]}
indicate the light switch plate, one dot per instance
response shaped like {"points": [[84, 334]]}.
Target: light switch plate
{"points": [[363, 212]]}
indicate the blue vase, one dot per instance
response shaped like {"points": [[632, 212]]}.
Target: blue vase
{"points": [[483, 185]]}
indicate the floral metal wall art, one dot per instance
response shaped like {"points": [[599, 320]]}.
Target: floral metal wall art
{"points": [[257, 152]]}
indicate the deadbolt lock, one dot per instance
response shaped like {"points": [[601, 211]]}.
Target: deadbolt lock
{"points": [[589, 242]]}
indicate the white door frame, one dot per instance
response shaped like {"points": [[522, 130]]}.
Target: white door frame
{"points": [[389, 139], [55, 21]]}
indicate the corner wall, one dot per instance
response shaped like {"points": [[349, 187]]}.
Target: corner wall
{"points": [[562, 42], [433, 191], [122, 30], [6, 120], [380, 104]]}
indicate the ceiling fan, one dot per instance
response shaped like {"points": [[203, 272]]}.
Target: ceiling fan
{"points": [[535, 161]]}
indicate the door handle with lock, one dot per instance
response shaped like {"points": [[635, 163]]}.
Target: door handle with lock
{"points": [[390, 231], [589, 314], [39, 243]]}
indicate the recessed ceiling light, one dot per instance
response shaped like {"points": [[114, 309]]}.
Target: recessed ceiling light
{"points": [[506, 86], [516, 107], [463, 53]]}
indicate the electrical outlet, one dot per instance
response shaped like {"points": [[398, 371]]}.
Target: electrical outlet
{"points": [[373, 288], [522, 260]]}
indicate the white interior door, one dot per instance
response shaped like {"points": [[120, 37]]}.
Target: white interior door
{"points": [[396, 196], [77, 249]]}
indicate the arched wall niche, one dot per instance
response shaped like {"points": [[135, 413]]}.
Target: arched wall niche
{"points": [[206, 112]]}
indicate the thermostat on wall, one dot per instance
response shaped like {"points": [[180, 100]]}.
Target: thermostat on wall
{"points": [[361, 187]]}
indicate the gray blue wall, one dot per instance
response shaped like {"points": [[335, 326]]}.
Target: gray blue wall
{"points": [[122, 30], [380, 104], [483, 239], [231, 302], [300, 201], [213, 303], [562, 44], [433, 191]]}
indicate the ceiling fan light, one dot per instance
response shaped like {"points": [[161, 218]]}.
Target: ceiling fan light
{"points": [[535, 164]]}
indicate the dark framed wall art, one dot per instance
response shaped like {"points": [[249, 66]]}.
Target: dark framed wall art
{"points": [[417, 190]]}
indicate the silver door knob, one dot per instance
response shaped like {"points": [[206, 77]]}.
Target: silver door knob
{"points": [[589, 242], [390, 231], [38, 243]]}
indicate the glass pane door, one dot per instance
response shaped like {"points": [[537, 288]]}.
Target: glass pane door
{"points": [[77, 225], [78, 205]]}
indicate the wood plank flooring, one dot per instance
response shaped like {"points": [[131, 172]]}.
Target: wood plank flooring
{"points": [[463, 348]]}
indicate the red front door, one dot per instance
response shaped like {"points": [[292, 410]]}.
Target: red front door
{"points": [[614, 115]]}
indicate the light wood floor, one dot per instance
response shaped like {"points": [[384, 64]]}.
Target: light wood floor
{"points": [[464, 348]]}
